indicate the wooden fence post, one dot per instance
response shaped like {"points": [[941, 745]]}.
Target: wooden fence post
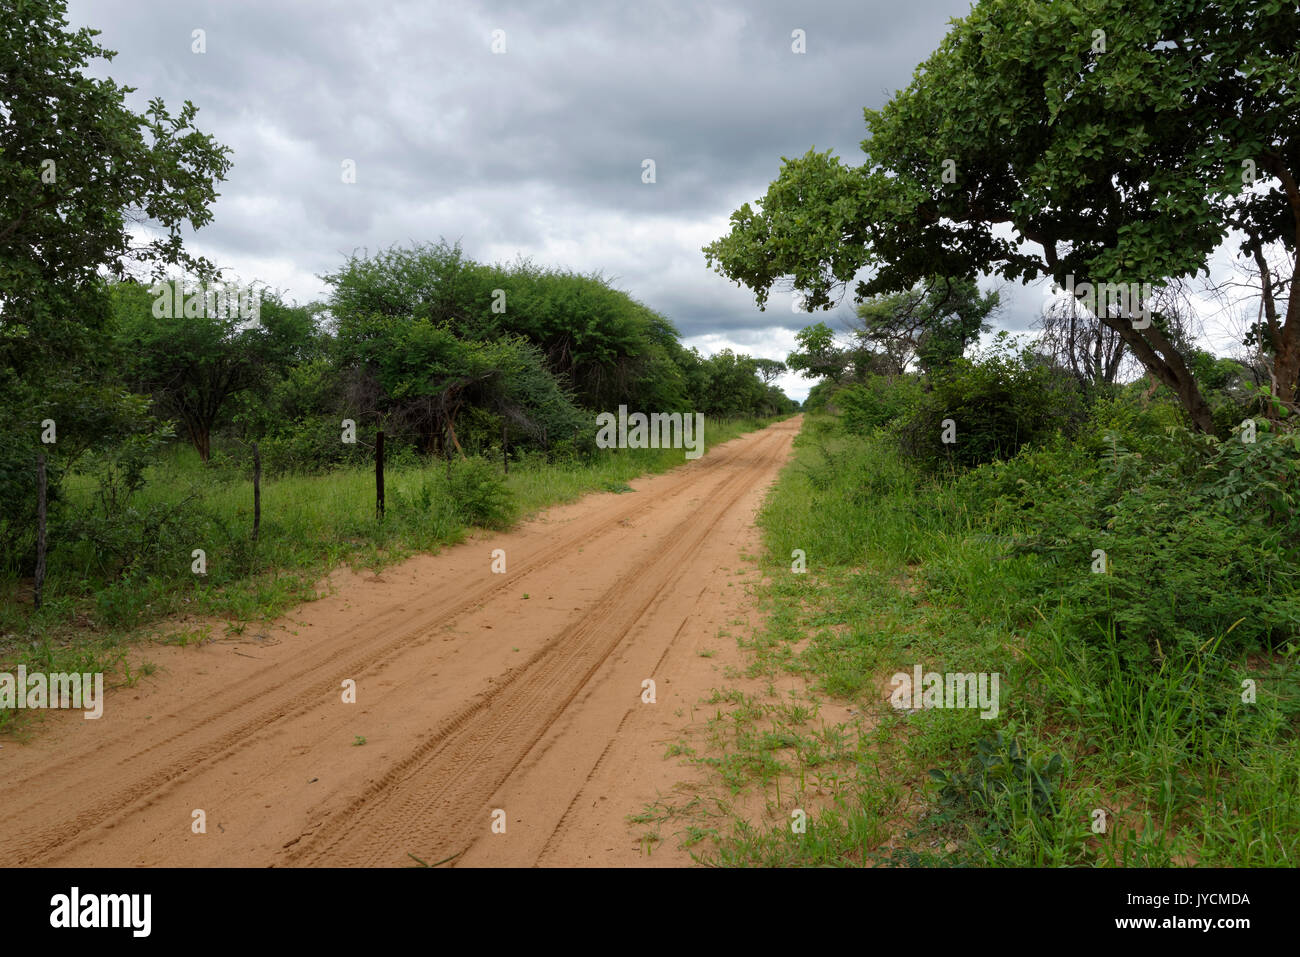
{"points": [[379, 474], [257, 491], [40, 529]]}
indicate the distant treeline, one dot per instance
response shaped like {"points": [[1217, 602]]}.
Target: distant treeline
{"points": [[448, 356], [445, 354]]}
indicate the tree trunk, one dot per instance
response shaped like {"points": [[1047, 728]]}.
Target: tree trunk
{"points": [[1286, 372], [451, 431], [1162, 360], [199, 435]]}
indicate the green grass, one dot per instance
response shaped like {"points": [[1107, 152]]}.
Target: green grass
{"points": [[94, 609], [905, 571]]}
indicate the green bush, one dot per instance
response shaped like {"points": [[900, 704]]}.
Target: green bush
{"points": [[997, 402], [877, 401], [311, 445], [1127, 417], [1201, 541], [134, 539], [478, 493], [820, 397]]}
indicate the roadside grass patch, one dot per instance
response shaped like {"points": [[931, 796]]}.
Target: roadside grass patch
{"points": [[1105, 751]]}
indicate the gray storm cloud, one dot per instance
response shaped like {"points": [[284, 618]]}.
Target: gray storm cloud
{"points": [[536, 151]]}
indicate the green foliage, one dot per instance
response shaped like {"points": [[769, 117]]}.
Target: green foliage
{"points": [[1129, 419], [999, 401], [818, 357], [932, 323], [877, 401], [478, 493], [63, 225], [1199, 541], [820, 396], [730, 385], [131, 542], [1002, 779], [429, 333], [602, 346], [18, 517], [99, 428], [1133, 677], [769, 369], [417, 377], [1117, 163], [194, 362], [311, 444], [1230, 389]]}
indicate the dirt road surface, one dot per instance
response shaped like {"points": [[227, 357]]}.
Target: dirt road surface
{"points": [[502, 714]]}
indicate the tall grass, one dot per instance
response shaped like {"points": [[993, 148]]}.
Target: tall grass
{"points": [[1092, 760]]}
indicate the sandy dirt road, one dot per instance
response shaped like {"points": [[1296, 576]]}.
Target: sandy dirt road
{"points": [[476, 693]]}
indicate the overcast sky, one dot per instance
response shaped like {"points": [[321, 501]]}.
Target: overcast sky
{"points": [[535, 151]]}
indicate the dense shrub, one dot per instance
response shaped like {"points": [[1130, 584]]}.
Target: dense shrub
{"points": [[877, 401], [479, 493], [820, 397], [1229, 387], [998, 402], [139, 539], [1201, 543], [313, 444], [1128, 419]]}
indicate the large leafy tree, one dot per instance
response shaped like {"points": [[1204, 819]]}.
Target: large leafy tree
{"points": [[601, 343], [79, 170], [733, 386], [1092, 141], [818, 355], [194, 365], [415, 375]]}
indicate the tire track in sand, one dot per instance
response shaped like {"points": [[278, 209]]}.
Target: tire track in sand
{"points": [[234, 733], [433, 797]]}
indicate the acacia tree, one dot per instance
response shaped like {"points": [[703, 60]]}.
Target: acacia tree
{"points": [[601, 343], [194, 365], [1120, 143], [769, 370], [419, 376], [933, 322], [818, 357]]}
